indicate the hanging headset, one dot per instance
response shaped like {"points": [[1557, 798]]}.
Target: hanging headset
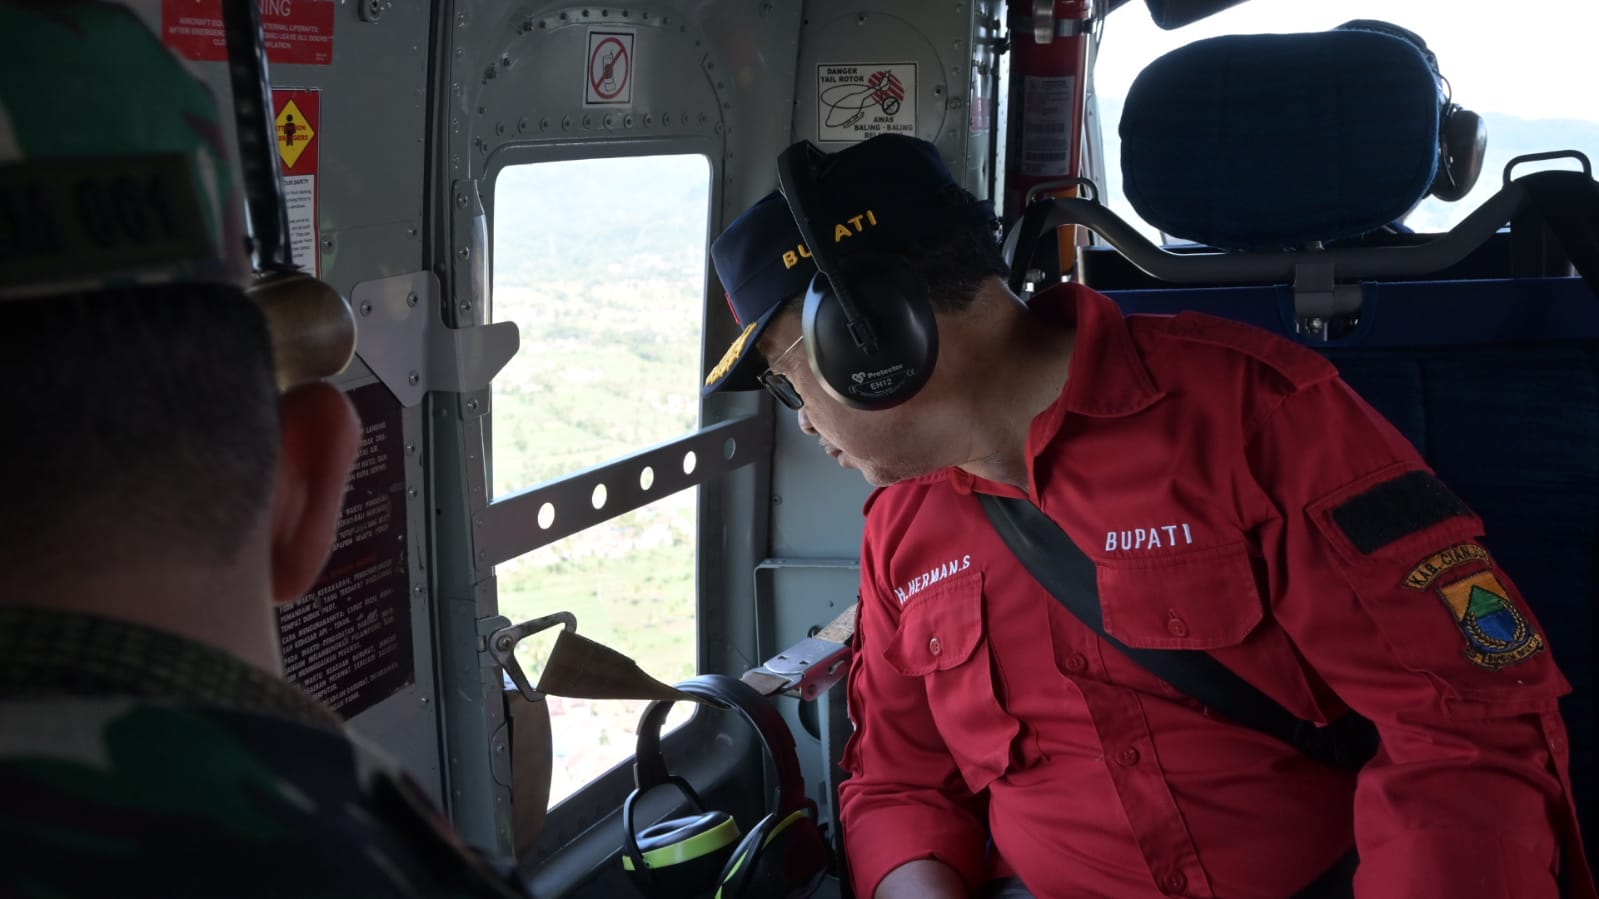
{"points": [[1462, 135], [869, 329], [784, 855], [313, 330]]}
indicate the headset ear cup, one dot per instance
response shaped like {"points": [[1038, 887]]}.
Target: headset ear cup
{"points": [[902, 318], [1463, 139], [742, 865], [682, 855], [781, 858]]}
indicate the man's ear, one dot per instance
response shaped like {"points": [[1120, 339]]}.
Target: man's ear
{"points": [[320, 436]]}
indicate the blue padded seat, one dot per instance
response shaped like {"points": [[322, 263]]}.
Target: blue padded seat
{"points": [[1350, 144]]}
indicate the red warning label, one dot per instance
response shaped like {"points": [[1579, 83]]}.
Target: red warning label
{"points": [[297, 31]]}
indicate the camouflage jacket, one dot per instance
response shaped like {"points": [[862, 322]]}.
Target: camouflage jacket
{"points": [[137, 763]]}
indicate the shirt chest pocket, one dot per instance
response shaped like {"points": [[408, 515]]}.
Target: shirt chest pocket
{"points": [[1201, 599], [942, 640]]}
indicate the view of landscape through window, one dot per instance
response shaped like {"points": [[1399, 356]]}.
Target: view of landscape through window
{"points": [[601, 264]]}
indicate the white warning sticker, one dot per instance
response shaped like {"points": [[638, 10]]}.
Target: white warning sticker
{"points": [[298, 117], [1047, 125], [299, 196], [608, 78], [855, 101]]}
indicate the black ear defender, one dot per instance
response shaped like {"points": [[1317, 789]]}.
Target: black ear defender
{"points": [[313, 329], [1462, 134], [704, 854], [869, 330], [1464, 141]]}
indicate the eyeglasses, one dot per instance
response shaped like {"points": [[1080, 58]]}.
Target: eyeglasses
{"points": [[779, 385]]}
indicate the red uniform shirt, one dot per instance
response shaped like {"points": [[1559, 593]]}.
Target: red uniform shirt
{"points": [[1236, 497]]}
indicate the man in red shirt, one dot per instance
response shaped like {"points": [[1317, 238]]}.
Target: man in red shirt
{"points": [[1237, 498]]}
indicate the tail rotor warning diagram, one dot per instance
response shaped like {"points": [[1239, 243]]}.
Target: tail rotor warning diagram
{"points": [[856, 101]]}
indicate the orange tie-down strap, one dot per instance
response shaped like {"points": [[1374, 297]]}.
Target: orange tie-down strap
{"points": [[583, 669]]}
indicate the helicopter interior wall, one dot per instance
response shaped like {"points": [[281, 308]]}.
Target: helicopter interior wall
{"points": [[365, 222], [927, 70], [711, 79]]}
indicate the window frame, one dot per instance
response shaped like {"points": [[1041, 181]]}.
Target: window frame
{"points": [[506, 526]]}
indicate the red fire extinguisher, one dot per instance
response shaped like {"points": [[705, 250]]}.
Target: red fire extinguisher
{"points": [[1048, 86]]}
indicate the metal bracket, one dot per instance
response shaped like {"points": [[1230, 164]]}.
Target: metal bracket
{"points": [[808, 669], [1320, 302], [401, 336], [1061, 184], [1043, 21], [502, 646]]}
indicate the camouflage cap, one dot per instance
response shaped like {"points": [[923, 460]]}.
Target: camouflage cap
{"points": [[113, 166]]}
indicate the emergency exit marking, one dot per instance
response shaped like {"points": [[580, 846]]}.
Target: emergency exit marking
{"points": [[608, 79]]}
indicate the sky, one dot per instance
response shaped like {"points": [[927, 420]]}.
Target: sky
{"points": [[1532, 58]]}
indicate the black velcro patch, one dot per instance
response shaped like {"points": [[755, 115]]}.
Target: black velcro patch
{"points": [[1412, 502]]}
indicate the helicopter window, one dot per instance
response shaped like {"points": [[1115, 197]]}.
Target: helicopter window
{"points": [[602, 265]]}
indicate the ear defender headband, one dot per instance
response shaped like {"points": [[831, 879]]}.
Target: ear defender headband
{"points": [[783, 855], [313, 330], [1462, 135], [870, 335]]}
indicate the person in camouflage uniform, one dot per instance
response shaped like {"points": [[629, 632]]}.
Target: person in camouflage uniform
{"points": [[157, 496]]}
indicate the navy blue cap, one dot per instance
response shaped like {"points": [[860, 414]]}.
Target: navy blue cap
{"points": [[880, 196], [883, 195], [761, 262]]}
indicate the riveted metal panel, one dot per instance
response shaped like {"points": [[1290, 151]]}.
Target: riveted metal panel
{"points": [[370, 185], [711, 78]]}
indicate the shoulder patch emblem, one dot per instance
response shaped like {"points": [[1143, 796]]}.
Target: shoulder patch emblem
{"points": [[1496, 632]]}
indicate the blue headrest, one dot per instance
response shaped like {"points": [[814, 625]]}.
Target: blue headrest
{"points": [[1265, 141]]}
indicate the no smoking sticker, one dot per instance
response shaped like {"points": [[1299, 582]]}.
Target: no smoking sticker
{"points": [[608, 80]]}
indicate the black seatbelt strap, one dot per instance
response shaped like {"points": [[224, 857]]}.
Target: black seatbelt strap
{"points": [[1068, 574]]}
